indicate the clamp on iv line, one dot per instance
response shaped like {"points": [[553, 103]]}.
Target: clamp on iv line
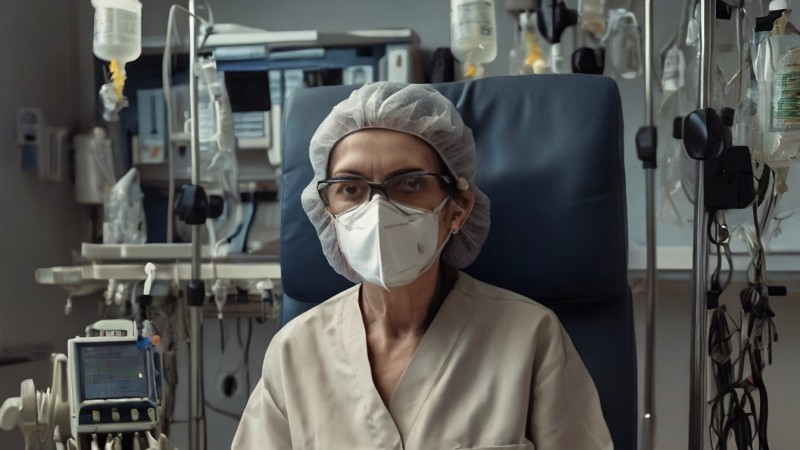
{"points": [[552, 18]]}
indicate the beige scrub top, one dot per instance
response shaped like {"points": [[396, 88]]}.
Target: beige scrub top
{"points": [[494, 370]]}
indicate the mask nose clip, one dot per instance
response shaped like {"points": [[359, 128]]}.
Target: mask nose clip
{"points": [[377, 190]]}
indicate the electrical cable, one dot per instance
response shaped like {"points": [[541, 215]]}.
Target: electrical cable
{"points": [[221, 336], [247, 352], [735, 413]]}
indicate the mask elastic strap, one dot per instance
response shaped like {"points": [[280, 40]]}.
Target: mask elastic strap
{"points": [[440, 206]]}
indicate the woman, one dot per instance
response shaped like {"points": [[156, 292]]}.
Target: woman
{"points": [[417, 355]]}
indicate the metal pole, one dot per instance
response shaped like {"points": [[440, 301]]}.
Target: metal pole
{"points": [[648, 62], [697, 399], [648, 406], [649, 403], [196, 401]]}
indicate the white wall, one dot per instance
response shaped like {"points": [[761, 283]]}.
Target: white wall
{"points": [[41, 225]]}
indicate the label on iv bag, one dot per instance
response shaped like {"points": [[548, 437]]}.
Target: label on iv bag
{"points": [[785, 111], [471, 18], [673, 77]]}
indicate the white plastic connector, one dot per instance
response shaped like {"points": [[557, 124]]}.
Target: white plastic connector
{"points": [[9, 413], [111, 105], [777, 5], [220, 290], [110, 291], [150, 270], [207, 69], [152, 442], [148, 330]]}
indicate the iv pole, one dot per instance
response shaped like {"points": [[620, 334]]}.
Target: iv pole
{"points": [[195, 293], [646, 144], [697, 396]]}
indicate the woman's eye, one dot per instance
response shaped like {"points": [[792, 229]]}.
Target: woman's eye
{"points": [[412, 184], [349, 189]]}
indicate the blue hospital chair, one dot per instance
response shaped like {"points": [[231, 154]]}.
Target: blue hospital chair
{"points": [[550, 158]]}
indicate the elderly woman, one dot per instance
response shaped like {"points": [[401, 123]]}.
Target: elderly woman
{"points": [[417, 355]]}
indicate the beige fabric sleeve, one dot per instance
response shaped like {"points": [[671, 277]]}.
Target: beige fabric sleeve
{"points": [[264, 424], [565, 406]]}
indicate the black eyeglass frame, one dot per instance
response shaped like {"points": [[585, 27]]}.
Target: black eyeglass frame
{"points": [[448, 181]]}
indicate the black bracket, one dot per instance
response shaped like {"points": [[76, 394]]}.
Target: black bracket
{"points": [[553, 17], [589, 60], [728, 172], [194, 207], [729, 180], [646, 144], [703, 132], [195, 292]]}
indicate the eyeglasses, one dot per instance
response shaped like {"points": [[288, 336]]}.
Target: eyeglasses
{"points": [[412, 189]]}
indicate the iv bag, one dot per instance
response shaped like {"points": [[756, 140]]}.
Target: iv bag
{"points": [[623, 44], [529, 53], [117, 30], [473, 34], [124, 220], [218, 164], [778, 76], [591, 16], [678, 170]]}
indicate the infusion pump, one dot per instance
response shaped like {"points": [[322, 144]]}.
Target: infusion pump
{"points": [[114, 378], [107, 391]]}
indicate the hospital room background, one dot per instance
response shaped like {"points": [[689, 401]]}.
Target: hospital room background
{"points": [[49, 65]]}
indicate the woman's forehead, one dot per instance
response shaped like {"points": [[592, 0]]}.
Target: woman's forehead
{"points": [[382, 147]]}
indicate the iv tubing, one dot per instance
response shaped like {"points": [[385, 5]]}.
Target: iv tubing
{"points": [[165, 84], [697, 393], [166, 70], [117, 78]]}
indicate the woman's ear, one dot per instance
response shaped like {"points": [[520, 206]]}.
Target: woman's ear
{"points": [[460, 209]]}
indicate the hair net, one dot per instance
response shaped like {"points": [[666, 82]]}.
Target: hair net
{"points": [[417, 110]]}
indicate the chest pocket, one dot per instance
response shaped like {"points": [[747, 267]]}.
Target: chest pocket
{"points": [[526, 446]]}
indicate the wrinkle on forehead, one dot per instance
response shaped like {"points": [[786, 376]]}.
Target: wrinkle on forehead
{"points": [[376, 154]]}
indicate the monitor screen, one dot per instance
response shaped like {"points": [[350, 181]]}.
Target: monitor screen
{"points": [[248, 91], [112, 370]]}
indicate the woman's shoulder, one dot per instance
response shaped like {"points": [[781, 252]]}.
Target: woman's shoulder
{"points": [[494, 300], [316, 320]]}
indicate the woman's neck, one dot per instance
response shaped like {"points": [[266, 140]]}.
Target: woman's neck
{"points": [[406, 309]]}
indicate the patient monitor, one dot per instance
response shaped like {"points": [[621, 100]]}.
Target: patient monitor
{"points": [[113, 382]]}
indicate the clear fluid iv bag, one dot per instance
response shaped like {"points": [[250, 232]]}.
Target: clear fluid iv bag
{"points": [[117, 30], [117, 40], [473, 34], [778, 76], [623, 45], [528, 55], [591, 16]]}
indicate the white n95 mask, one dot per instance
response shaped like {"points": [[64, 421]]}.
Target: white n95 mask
{"points": [[388, 244]]}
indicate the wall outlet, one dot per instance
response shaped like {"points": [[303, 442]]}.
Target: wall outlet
{"points": [[29, 136]]}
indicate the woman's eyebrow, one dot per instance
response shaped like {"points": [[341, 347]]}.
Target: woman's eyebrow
{"points": [[399, 172], [392, 174]]}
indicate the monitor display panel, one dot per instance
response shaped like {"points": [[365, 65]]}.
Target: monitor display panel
{"points": [[112, 371]]}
